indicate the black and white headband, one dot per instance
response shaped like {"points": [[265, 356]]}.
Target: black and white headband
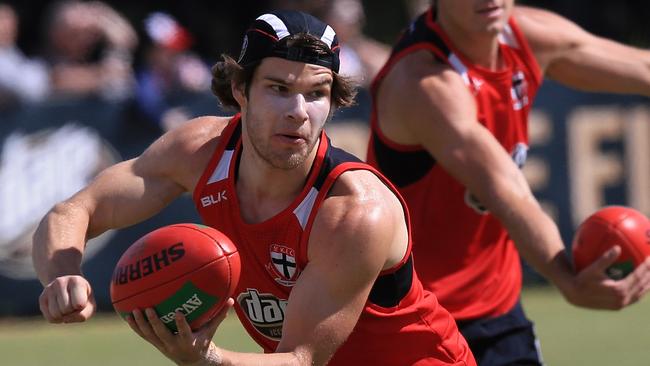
{"points": [[264, 38]]}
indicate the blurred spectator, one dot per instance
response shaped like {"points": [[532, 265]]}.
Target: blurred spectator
{"points": [[90, 50], [171, 74], [361, 56], [21, 79]]}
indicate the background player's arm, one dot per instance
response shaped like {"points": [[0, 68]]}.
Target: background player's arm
{"points": [[439, 113], [121, 195], [576, 58]]}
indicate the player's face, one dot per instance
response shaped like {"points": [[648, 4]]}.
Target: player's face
{"points": [[287, 106], [476, 15]]}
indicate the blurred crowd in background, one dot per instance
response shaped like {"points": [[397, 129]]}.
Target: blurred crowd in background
{"points": [[157, 58], [156, 55]]}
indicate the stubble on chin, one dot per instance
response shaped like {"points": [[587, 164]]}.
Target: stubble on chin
{"points": [[293, 159], [282, 159]]}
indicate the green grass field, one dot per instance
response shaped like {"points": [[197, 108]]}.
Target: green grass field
{"points": [[569, 336], [574, 336]]}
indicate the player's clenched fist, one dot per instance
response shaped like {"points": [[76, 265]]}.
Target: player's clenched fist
{"points": [[67, 299]]}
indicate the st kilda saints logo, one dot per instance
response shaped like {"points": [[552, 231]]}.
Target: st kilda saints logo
{"points": [[519, 91], [283, 266], [264, 311]]}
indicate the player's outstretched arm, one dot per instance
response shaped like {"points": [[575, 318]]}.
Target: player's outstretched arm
{"points": [[352, 239], [440, 114], [121, 195], [576, 58]]}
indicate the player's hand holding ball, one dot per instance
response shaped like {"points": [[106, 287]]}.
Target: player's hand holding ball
{"points": [[177, 279], [186, 268], [610, 254], [610, 226]]}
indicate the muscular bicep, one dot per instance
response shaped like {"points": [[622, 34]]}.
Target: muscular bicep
{"points": [[325, 304], [134, 190], [125, 194], [579, 59]]}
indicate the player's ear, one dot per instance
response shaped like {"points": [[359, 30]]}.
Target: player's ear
{"points": [[238, 92]]}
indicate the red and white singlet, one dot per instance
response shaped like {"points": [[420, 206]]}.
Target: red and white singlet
{"points": [[401, 324], [462, 252]]}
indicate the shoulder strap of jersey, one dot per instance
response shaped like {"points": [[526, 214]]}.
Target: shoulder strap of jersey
{"points": [[335, 162], [421, 34], [230, 137], [526, 51]]}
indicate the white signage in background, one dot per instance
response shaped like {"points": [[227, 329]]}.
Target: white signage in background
{"points": [[593, 169], [637, 157], [37, 171], [538, 167]]}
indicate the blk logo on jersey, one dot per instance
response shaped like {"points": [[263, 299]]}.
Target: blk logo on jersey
{"points": [[283, 266], [211, 199], [519, 91], [264, 311]]}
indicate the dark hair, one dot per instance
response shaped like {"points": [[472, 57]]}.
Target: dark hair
{"points": [[223, 72]]}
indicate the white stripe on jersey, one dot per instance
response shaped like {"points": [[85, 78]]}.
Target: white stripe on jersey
{"points": [[458, 65], [304, 208], [507, 37], [221, 172]]}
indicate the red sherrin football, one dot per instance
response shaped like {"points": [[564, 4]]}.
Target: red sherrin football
{"points": [[186, 267], [609, 226]]}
